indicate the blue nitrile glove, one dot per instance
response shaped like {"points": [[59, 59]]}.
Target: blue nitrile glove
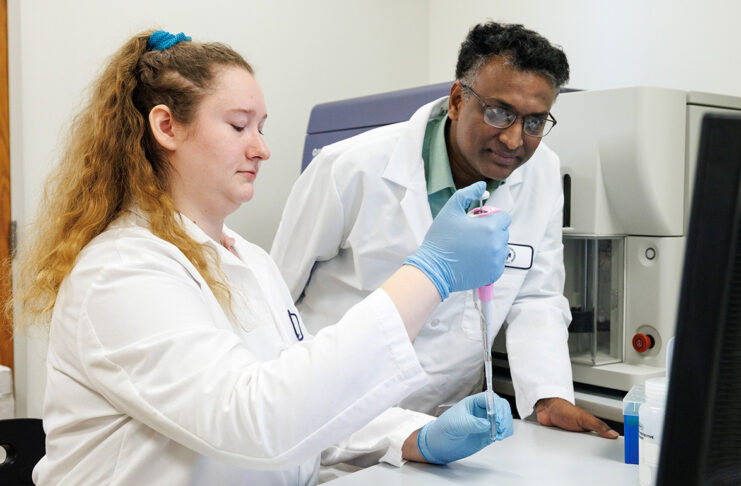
{"points": [[460, 252], [463, 429]]}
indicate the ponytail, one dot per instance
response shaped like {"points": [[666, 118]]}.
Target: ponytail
{"points": [[112, 162]]}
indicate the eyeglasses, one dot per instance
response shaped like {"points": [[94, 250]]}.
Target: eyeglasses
{"points": [[499, 117]]}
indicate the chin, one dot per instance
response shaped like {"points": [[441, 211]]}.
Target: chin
{"points": [[496, 174], [502, 175], [245, 194], [234, 203]]}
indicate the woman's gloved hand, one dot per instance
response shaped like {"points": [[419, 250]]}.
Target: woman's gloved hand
{"points": [[463, 430], [460, 252]]}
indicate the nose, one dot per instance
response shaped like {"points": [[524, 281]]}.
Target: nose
{"points": [[512, 135], [257, 148]]}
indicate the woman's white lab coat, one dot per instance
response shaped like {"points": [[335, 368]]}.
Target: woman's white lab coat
{"points": [[361, 208], [149, 382]]}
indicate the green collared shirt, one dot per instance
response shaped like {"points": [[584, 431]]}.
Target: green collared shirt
{"points": [[440, 184]]}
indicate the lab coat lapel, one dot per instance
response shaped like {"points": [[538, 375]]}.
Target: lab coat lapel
{"points": [[415, 206], [231, 266], [225, 256], [137, 218], [406, 168]]}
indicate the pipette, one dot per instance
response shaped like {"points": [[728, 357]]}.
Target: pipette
{"points": [[488, 332], [484, 296]]}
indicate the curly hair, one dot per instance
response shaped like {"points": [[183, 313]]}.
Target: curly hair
{"points": [[112, 162], [524, 49]]}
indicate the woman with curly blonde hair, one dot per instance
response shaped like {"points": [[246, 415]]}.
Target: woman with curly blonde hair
{"points": [[176, 355]]}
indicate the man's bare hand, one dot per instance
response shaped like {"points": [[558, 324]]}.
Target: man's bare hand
{"points": [[557, 412]]}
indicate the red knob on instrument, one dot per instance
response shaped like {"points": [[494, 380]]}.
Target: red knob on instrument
{"points": [[643, 342]]}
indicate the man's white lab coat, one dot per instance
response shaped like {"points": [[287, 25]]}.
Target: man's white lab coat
{"points": [[361, 208]]}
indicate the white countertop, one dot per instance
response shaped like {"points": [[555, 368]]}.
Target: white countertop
{"points": [[533, 455]]}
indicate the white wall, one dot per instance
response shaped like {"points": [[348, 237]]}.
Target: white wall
{"points": [[683, 44], [303, 53]]}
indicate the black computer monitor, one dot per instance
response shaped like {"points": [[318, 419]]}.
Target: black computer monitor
{"points": [[701, 441]]}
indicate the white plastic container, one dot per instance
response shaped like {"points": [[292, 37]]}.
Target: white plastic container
{"points": [[650, 426], [7, 404]]}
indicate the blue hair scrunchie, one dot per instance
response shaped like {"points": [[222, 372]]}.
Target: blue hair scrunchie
{"points": [[162, 39]]}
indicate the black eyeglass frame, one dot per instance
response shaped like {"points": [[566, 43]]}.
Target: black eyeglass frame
{"points": [[546, 130]]}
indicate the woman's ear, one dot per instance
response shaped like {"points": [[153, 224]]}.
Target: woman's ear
{"points": [[162, 123]]}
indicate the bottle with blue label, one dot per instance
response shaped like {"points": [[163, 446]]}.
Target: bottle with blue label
{"points": [[650, 427], [631, 404]]}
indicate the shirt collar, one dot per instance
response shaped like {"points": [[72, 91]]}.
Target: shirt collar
{"points": [[437, 163]]}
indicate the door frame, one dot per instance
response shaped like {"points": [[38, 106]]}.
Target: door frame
{"points": [[6, 336]]}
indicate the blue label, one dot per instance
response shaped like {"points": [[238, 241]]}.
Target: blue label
{"points": [[631, 439]]}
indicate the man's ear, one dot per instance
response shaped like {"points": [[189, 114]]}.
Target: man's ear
{"points": [[162, 123], [455, 100]]}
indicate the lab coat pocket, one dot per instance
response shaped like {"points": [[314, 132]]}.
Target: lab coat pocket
{"points": [[245, 312]]}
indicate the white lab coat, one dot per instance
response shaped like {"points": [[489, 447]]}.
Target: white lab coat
{"points": [[361, 208], [149, 382]]}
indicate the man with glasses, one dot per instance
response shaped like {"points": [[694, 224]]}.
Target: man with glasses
{"points": [[365, 203]]}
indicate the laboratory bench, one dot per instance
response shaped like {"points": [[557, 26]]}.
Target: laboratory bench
{"points": [[533, 455]]}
